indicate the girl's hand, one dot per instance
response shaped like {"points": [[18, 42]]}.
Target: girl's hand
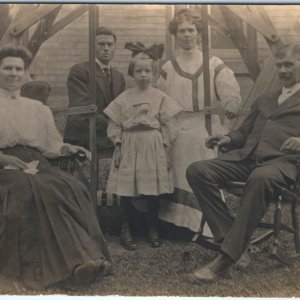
{"points": [[117, 157], [169, 162], [232, 109], [9, 160]]}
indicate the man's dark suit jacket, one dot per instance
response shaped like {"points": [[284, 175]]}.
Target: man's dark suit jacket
{"points": [[265, 129], [77, 127]]}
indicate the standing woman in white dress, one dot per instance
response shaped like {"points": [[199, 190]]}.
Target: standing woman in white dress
{"points": [[182, 79]]}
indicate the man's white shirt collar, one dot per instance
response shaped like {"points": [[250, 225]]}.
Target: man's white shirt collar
{"points": [[288, 92], [102, 65]]}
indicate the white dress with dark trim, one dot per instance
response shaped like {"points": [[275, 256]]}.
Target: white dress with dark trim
{"points": [[187, 89]]}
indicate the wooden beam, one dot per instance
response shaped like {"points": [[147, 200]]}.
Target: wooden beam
{"points": [[93, 24], [206, 75], [235, 25], [87, 109], [41, 31], [169, 37], [222, 111], [68, 19], [264, 16], [252, 40], [219, 27], [6, 37], [267, 31], [5, 19], [24, 23]]}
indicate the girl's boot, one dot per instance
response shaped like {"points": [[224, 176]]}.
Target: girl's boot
{"points": [[152, 218], [125, 238]]}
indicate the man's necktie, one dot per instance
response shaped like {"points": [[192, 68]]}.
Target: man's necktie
{"points": [[107, 74]]}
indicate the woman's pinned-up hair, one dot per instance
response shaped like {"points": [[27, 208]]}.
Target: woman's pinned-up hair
{"points": [[139, 51], [185, 14], [10, 50]]}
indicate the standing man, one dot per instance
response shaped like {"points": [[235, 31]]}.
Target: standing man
{"points": [[262, 155], [109, 84]]}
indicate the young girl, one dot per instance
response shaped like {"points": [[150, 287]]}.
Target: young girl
{"points": [[139, 127]]}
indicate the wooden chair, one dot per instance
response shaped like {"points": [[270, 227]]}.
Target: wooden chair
{"points": [[40, 91]]}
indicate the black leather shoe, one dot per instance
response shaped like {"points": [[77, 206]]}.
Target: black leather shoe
{"points": [[154, 237], [125, 239], [212, 270], [127, 243], [156, 243]]}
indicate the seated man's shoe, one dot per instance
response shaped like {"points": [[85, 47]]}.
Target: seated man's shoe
{"points": [[84, 274], [243, 261], [212, 270]]}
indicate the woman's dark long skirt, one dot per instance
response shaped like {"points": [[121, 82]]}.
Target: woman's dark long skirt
{"points": [[48, 225]]}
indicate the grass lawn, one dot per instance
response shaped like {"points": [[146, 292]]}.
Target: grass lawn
{"points": [[162, 272]]}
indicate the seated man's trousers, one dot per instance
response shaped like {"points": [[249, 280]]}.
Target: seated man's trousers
{"points": [[206, 177]]}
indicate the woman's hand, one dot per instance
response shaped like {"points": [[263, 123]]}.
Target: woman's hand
{"points": [[9, 160], [68, 149], [117, 156]]}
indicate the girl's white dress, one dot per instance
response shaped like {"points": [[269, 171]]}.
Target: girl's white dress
{"points": [[142, 122], [188, 91]]}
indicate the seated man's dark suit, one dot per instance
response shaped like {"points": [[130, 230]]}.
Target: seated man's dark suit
{"points": [[77, 127], [256, 158]]}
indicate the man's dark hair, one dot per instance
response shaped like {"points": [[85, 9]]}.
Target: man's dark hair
{"points": [[10, 50], [105, 31]]}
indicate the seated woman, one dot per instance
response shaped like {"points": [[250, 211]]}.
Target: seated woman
{"points": [[49, 231]]}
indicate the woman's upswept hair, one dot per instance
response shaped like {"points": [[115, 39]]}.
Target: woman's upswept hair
{"points": [[10, 50], [185, 14]]}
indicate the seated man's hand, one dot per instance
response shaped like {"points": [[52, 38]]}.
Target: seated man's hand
{"points": [[10, 160], [232, 108], [217, 140], [68, 149], [292, 144]]}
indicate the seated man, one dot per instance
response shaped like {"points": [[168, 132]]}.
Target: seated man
{"points": [[262, 155]]}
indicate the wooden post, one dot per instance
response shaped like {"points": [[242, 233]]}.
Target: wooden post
{"points": [[93, 22], [169, 38], [206, 75], [241, 42]]}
